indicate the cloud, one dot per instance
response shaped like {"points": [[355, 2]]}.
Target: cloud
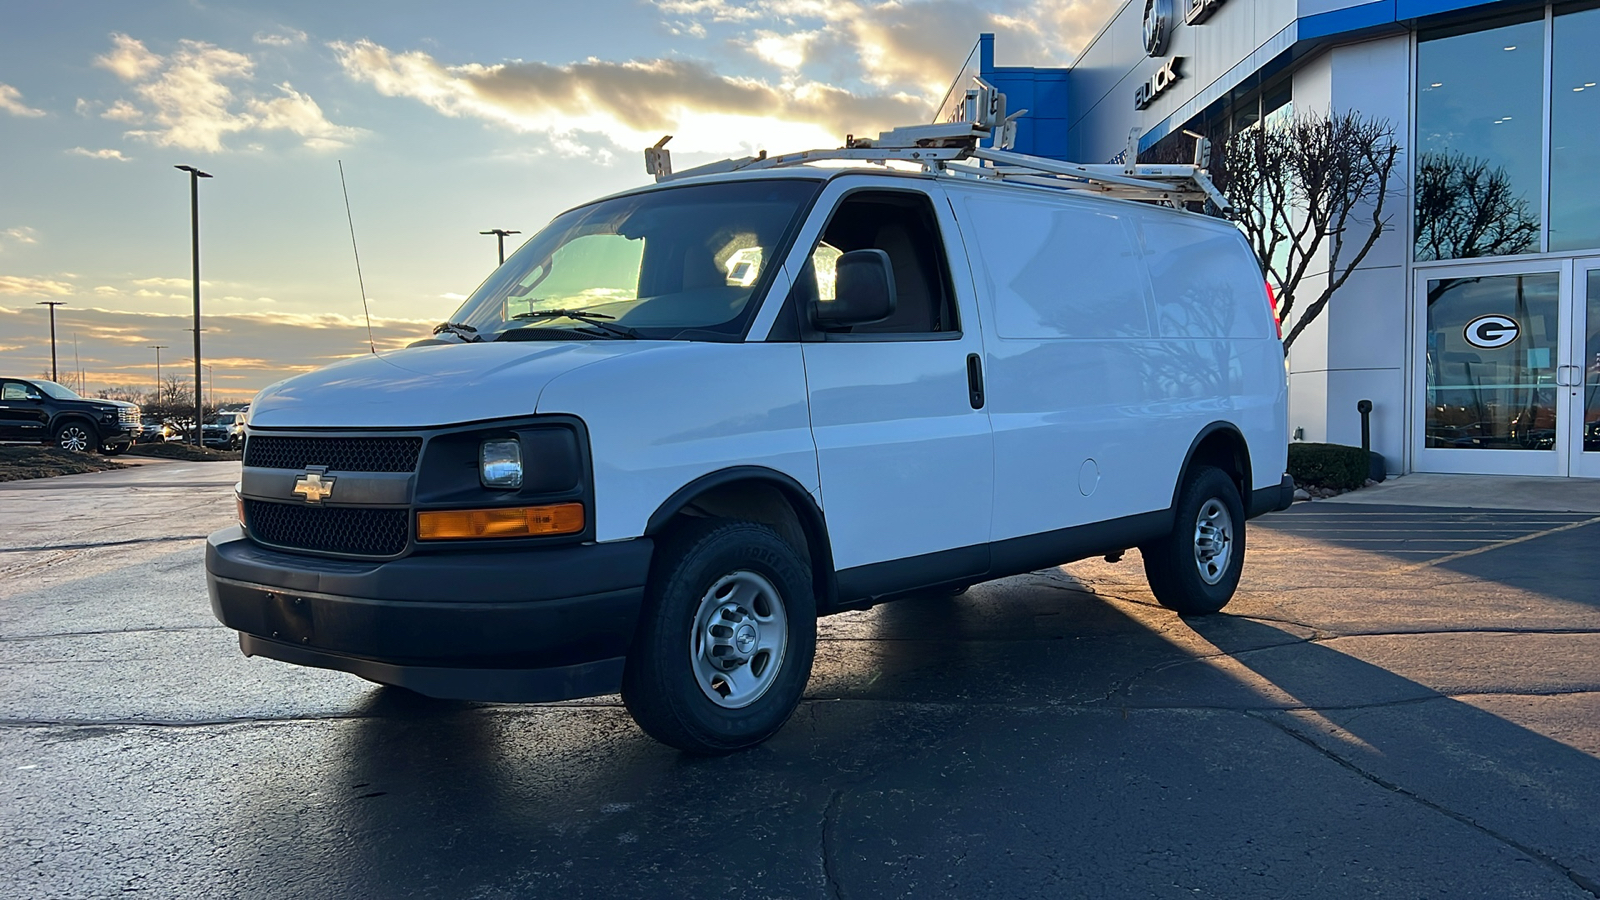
{"points": [[912, 44], [11, 102], [128, 59], [286, 37], [189, 97], [101, 154], [631, 103], [19, 235], [37, 287], [247, 350]]}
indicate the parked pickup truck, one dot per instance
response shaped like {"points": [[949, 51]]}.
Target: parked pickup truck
{"points": [[33, 409]]}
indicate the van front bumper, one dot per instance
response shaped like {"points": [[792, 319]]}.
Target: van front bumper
{"points": [[538, 625]]}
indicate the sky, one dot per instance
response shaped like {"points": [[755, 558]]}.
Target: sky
{"points": [[448, 119]]}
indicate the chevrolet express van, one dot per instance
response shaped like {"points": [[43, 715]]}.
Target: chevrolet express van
{"points": [[683, 422]]}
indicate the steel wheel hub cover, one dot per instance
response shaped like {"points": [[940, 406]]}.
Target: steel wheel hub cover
{"points": [[738, 640], [1213, 541]]}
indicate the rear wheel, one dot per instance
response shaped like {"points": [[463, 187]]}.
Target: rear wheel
{"points": [[1195, 569], [726, 638], [76, 436]]}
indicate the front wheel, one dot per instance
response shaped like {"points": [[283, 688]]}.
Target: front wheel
{"points": [[726, 638], [1195, 569], [78, 437]]}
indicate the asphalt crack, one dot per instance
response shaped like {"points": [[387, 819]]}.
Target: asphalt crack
{"points": [[1585, 882], [94, 545], [830, 824]]}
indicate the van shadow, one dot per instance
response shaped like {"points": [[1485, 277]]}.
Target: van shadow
{"points": [[989, 695]]}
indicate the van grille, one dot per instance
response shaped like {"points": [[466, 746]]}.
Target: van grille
{"points": [[358, 531], [339, 454]]}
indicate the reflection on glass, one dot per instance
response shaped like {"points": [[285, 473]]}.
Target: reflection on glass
{"points": [[1480, 129], [1574, 115], [1492, 383], [1591, 369]]}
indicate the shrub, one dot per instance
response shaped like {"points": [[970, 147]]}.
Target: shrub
{"points": [[1328, 465]]}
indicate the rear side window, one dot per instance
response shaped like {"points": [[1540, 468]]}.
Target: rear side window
{"points": [[1059, 271], [1206, 282]]}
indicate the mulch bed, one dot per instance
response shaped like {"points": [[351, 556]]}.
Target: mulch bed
{"points": [[19, 462], [187, 452]]}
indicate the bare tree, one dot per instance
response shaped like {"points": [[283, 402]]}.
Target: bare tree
{"points": [[1467, 209], [1313, 185]]}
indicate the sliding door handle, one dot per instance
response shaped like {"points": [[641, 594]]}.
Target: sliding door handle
{"points": [[975, 380]]}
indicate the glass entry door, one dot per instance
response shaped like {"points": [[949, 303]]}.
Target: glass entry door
{"points": [[1490, 353], [1581, 376], [1508, 361]]}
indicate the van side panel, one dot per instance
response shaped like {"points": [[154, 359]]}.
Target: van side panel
{"points": [[1215, 320], [660, 418], [1079, 433]]}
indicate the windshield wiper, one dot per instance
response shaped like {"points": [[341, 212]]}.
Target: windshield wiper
{"points": [[466, 332], [598, 320]]}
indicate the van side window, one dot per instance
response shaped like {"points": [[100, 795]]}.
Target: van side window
{"points": [[901, 224], [1059, 271]]}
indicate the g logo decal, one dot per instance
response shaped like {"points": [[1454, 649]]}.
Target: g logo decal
{"points": [[1492, 331]]}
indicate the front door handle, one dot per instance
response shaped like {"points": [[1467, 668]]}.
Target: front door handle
{"points": [[975, 380]]}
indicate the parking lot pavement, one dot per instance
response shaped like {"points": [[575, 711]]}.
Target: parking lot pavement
{"points": [[1400, 702]]}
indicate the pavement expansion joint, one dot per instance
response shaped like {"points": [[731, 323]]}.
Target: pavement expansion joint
{"points": [[1579, 879]]}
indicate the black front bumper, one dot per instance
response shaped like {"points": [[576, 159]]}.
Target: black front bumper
{"points": [[521, 626]]}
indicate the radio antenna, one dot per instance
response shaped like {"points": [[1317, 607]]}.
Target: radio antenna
{"points": [[371, 344]]}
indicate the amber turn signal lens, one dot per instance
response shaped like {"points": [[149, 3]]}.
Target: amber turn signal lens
{"points": [[514, 521]]}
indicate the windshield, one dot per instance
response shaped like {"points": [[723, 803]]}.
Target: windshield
{"points": [[677, 263], [59, 392]]}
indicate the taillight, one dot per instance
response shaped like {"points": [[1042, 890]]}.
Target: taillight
{"points": [[1272, 304]]}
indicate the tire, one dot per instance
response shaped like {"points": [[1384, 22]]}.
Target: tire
{"points": [[76, 435], [726, 638], [1195, 570]]}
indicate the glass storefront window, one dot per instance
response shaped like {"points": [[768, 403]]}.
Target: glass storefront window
{"points": [[1480, 139], [1491, 362], [1574, 120]]}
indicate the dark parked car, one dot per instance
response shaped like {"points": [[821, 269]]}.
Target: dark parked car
{"points": [[32, 409]]}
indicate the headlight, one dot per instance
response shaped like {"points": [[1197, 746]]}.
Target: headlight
{"points": [[500, 464]]}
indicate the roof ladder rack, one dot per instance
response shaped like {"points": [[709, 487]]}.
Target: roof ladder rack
{"points": [[953, 148]]}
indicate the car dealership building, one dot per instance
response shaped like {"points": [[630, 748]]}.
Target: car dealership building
{"points": [[1474, 325]]}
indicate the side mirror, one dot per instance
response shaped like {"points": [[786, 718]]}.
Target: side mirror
{"points": [[863, 291]]}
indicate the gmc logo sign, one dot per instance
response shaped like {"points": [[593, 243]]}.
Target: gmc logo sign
{"points": [[1200, 10]]}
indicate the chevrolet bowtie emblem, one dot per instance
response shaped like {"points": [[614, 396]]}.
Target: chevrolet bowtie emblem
{"points": [[314, 486]]}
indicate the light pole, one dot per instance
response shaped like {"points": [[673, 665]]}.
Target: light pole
{"points": [[500, 236], [53, 304], [158, 348], [194, 224], [211, 384]]}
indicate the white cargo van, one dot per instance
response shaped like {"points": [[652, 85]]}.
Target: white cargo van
{"points": [[681, 423]]}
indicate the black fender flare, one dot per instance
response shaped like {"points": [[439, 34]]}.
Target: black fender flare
{"points": [[1194, 445], [812, 521]]}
